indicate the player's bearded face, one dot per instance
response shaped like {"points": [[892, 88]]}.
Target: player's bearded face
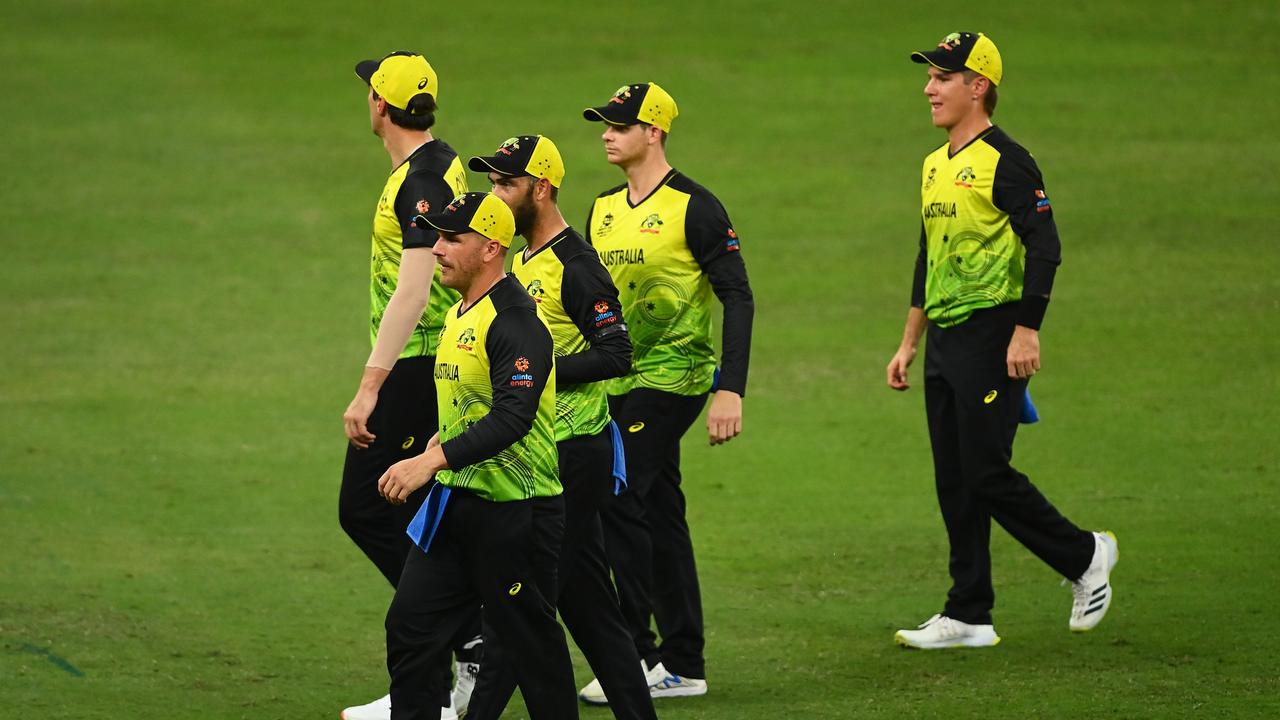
{"points": [[524, 210]]}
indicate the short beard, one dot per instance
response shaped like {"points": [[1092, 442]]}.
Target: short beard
{"points": [[525, 214]]}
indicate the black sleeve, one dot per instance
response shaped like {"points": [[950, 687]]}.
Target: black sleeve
{"points": [[591, 301], [715, 246], [922, 261], [419, 194], [1019, 191], [519, 349]]}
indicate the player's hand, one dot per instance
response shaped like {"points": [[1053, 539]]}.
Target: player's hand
{"points": [[724, 419], [356, 418], [896, 371], [406, 476], [1023, 358]]}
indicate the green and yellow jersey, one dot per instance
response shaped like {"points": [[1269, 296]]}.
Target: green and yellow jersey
{"points": [[496, 392], [667, 254], [427, 180], [988, 237], [577, 298]]}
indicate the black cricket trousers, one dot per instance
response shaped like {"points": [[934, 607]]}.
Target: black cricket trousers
{"points": [[403, 421], [588, 603], [973, 407], [501, 555], [646, 535]]}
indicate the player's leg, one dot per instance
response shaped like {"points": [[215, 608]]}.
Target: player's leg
{"points": [[965, 620], [988, 405], [512, 562], [588, 601], [403, 420], [628, 543], [433, 601], [675, 591]]}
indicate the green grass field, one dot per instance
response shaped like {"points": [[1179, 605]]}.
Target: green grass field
{"points": [[184, 211]]}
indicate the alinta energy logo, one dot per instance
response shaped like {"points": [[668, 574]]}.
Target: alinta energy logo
{"points": [[467, 340], [965, 177], [522, 378], [651, 224]]}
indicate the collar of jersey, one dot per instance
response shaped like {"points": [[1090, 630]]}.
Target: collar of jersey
{"points": [[984, 133], [661, 184]]}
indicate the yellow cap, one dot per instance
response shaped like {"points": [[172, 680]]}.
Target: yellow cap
{"points": [[965, 50], [533, 155], [638, 103], [400, 76], [479, 212]]}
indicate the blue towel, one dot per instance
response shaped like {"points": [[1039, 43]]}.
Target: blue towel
{"points": [[422, 529], [619, 460], [1029, 414]]}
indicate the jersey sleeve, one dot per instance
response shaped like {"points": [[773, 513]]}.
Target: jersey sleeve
{"points": [[1018, 190], [587, 228], [590, 300], [520, 362], [716, 247], [419, 194], [918, 279]]}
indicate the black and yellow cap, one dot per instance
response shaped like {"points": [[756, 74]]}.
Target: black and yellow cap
{"points": [[479, 212], [399, 77], [965, 51], [638, 103], [532, 155]]}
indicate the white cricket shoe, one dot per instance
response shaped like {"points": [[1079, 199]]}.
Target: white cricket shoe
{"points": [[380, 709], [465, 674], [941, 631], [676, 685], [1093, 590], [593, 694]]}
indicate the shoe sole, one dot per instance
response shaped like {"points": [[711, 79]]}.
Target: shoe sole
{"points": [[602, 702], [1111, 594], [677, 692], [897, 638]]}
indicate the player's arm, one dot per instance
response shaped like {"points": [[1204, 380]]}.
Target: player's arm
{"points": [[591, 300], [896, 372], [520, 361], [716, 246], [404, 309], [1018, 190]]}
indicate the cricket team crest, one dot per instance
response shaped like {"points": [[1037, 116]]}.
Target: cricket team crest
{"points": [[536, 291], [467, 339], [509, 145], [651, 224]]}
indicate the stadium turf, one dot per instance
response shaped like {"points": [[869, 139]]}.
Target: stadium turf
{"points": [[185, 210]]}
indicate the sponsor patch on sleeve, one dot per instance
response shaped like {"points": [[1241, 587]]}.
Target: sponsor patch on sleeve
{"points": [[604, 316], [522, 378], [1042, 202], [731, 245]]}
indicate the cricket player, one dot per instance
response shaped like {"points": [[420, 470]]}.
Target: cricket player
{"points": [[575, 294], [488, 533], [669, 245], [988, 254]]}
